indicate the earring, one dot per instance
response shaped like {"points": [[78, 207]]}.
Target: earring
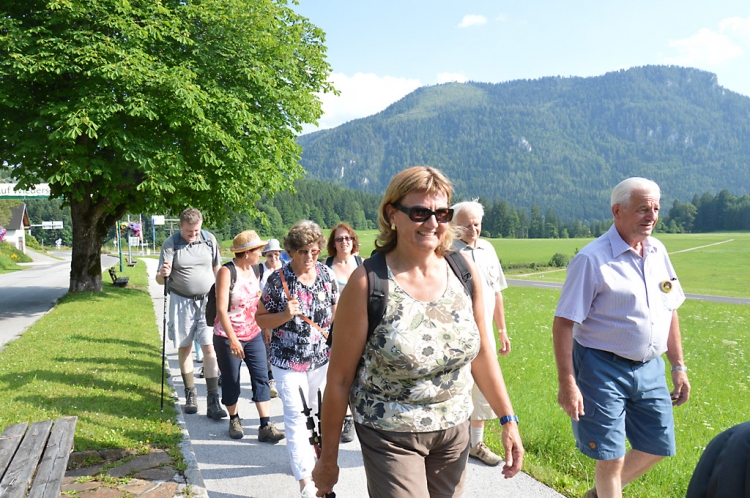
{"points": [[393, 227]]}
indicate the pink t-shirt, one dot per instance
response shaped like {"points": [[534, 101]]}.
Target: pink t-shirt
{"points": [[243, 305]]}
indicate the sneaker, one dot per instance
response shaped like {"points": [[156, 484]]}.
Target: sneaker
{"points": [[483, 453], [274, 392], [213, 407], [235, 428], [191, 400], [347, 432], [309, 491], [591, 493], [271, 434], [201, 374]]}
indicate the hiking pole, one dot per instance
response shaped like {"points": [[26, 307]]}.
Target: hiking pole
{"points": [[315, 438], [164, 341]]}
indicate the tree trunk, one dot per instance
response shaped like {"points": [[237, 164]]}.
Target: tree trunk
{"points": [[91, 221]]}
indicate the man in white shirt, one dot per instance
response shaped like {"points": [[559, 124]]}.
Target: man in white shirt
{"points": [[616, 316], [468, 218]]}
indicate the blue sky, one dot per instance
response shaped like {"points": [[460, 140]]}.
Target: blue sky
{"points": [[382, 50]]}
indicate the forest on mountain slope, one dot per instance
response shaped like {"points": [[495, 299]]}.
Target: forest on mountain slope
{"points": [[557, 143]]}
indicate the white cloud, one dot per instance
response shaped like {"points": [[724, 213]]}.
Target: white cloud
{"points": [[704, 47], [360, 95], [449, 77], [472, 20], [502, 18], [736, 26]]}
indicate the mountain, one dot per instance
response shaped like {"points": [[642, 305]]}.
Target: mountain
{"points": [[559, 143]]}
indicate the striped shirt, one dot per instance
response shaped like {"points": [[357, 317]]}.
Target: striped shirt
{"points": [[621, 302]]}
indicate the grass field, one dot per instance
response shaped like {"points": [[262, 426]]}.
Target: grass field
{"points": [[714, 336], [96, 356]]}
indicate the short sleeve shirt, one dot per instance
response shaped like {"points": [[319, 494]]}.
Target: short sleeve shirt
{"points": [[296, 345], [192, 263], [621, 302], [493, 278]]}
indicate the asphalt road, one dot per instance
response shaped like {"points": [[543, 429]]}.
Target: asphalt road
{"points": [[28, 294]]}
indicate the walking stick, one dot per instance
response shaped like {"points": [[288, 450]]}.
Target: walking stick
{"points": [[315, 439], [164, 341]]}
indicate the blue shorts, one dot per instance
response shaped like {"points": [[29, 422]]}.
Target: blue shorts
{"points": [[622, 399]]}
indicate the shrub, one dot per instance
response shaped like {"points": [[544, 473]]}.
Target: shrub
{"points": [[559, 260]]}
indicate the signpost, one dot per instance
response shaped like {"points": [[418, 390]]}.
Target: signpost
{"points": [[156, 220]]}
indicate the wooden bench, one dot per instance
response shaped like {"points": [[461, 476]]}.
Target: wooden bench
{"points": [[117, 281], [33, 461]]}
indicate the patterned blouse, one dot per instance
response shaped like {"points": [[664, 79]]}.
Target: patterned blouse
{"points": [[415, 372], [243, 302], [296, 345]]}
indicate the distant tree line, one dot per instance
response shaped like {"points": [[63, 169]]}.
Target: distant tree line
{"points": [[709, 213], [328, 204]]}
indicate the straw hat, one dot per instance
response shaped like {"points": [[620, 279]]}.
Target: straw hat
{"points": [[273, 245], [246, 241]]}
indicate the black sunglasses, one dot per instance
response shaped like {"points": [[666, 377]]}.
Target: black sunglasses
{"points": [[421, 213]]}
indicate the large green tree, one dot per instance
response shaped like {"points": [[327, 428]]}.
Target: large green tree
{"points": [[149, 105]]}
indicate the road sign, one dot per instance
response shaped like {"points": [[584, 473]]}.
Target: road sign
{"points": [[52, 225], [134, 241], [157, 220]]}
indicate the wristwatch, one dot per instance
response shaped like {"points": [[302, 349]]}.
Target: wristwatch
{"points": [[508, 418]]}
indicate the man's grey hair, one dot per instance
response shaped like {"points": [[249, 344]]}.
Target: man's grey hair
{"points": [[624, 190], [468, 206]]}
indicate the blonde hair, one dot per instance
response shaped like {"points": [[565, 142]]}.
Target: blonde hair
{"points": [[424, 179]]}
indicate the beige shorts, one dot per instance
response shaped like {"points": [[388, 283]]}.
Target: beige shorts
{"points": [[482, 410], [187, 321]]}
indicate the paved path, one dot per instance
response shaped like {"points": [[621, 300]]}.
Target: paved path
{"points": [[229, 468], [699, 297], [30, 293]]}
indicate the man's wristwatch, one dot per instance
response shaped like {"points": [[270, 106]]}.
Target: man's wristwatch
{"points": [[508, 418], [678, 368]]}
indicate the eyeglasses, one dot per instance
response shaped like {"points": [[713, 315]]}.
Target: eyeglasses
{"points": [[421, 213], [344, 238], [312, 252]]}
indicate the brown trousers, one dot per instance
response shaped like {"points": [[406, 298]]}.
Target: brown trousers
{"points": [[413, 464]]}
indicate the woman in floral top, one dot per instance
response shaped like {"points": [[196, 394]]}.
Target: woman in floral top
{"points": [[409, 383], [298, 303]]}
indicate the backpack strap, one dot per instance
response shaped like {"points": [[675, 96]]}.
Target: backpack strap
{"points": [[377, 290], [460, 267], [233, 272], [207, 239], [358, 260], [377, 284], [329, 261], [258, 270]]}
